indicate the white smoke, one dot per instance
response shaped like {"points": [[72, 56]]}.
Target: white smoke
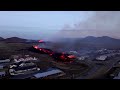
{"points": [[101, 23]]}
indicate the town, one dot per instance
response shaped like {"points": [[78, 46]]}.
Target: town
{"points": [[60, 45], [103, 63]]}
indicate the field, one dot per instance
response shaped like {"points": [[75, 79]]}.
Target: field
{"points": [[8, 49]]}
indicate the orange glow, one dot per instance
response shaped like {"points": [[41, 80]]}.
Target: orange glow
{"points": [[62, 57], [36, 47], [71, 56], [40, 40]]}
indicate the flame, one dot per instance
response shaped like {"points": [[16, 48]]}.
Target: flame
{"points": [[40, 41], [71, 56], [36, 47]]}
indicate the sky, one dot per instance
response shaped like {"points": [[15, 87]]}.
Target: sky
{"points": [[44, 24], [100, 23], [41, 19], [29, 23]]}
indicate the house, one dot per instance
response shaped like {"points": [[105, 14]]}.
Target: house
{"points": [[1, 66], [5, 61], [26, 58], [83, 57], [2, 73], [48, 73], [22, 68], [102, 57], [117, 77]]}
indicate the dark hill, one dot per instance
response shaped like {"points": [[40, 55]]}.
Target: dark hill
{"points": [[92, 42], [15, 40], [1, 39]]}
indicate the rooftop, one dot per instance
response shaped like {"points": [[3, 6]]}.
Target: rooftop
{"points": [[44, 74]]}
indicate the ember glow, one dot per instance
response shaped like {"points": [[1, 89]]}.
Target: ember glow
{"points": [[36, 47], [56, 55], [40, 41], [71, 56]]}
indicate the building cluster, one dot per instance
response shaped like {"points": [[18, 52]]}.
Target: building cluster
{"points": [[102, 54], [22, 67], [74, 53], [107, 56], [117, 77], [18, 58], [83, 57], [115, 71], [3, 63], [17, 64], [107, 51], [49, 74]]}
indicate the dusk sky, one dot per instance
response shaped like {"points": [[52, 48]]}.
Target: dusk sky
{"points": [[37, 24]]}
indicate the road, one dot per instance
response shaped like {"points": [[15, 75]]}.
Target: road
{"points": [[100, 70]]}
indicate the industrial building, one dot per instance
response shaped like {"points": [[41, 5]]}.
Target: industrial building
{"points": [[22, 68], [117, 77], [49, 73], [83, 57], [19, 58], [2, 73], [1, 66], [102, 57], [5, 61]]}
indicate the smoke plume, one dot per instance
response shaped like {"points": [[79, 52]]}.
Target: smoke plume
{"points": [[101, 23]]}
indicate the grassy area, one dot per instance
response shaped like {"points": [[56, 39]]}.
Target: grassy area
{"points": [[8, 49]]}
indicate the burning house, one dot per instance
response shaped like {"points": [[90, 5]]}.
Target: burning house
{"points": [[46, 47]]}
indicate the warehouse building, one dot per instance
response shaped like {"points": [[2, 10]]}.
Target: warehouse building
{"points": [[49, 73], [5, 61]]}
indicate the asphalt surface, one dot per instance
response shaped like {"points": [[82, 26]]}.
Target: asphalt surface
{"points": [[100, 70]]}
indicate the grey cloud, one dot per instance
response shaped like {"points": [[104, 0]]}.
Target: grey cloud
{"points": [[102, 23]]}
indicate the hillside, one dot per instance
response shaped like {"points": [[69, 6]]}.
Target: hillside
{"points": [[1, 39], [15, 39], [104, 41], [74, 43], [90, 42]]}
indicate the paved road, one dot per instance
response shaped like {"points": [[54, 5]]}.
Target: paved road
{"points": [[100, 70]]}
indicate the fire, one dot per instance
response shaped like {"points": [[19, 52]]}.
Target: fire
{"points": [[59, 56], [51, 54], [36, 47], [40, 40], [62, 57], [71, 56], [63, 53]]}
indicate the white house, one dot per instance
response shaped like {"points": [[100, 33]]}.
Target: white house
{"points": [[47, 73], [5, 61], [2, 73], [102, 57], [117, 77], [83, 57], [1, 66]]}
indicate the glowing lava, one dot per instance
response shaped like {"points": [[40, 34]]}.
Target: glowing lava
{"points": [[62, 56], [36, 47], [40, 41]]}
